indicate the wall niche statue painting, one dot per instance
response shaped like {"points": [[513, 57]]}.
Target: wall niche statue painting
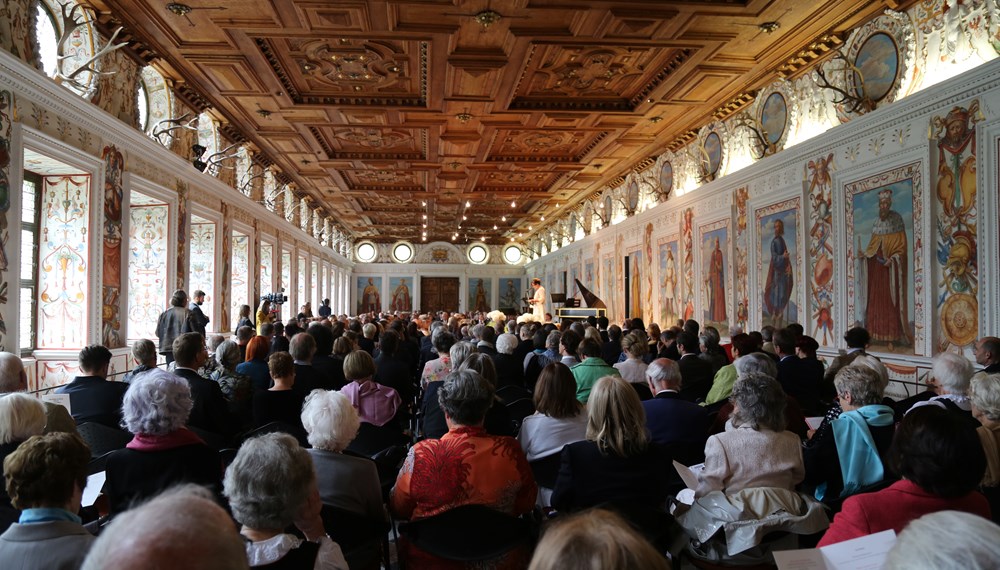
{"points": [[716, 275]]}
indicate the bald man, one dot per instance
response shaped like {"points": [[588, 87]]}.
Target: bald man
{"points": [[182, 528], [988, 354], [14, 379]]}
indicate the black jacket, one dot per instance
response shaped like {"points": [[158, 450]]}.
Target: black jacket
{"points": [[210, 411], [95, 399], [696, 377], [588, 477]]}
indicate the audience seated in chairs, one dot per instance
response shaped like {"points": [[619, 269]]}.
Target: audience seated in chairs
{"points": [[21, 417], [616, 463], [851, 456], [755, 450], [498, 418], [435, 370], [307, 378], [255, 366], [679, 426], [941, 462], [985, 395], [162, 452], [14, 379], [45, 478], [182, 528], [795, 421], [595, 539], [376, 404], [330, 368], [559, 419], [270, 486], [722, 384], [92, 397], [209, 411], [466, 466], [392, 369], [592, 369], [281, 403], [545, 350], [946, 539]]}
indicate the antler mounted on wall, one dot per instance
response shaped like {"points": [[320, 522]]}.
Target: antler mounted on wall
{"points": [[73, 19], [167, 126], [760, 142], [856, 100], [702, 162], [214, 161]]}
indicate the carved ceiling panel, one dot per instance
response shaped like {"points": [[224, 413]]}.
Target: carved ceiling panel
{"points": [[386, 111]]}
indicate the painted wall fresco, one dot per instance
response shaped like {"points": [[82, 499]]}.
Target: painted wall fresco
{"points": [[480, 292], [16, 24], [572, 289], [401, 297], [147, 268], [63, 268], [112, 334], [716, 273], [183, 218], [265, 270], [314, 278], [224, 294], [819, 189], [778, 259], [286, 276], [687, 264], [368, 292], [740, 252], [240, 276], [202, 271], [884, 287], [300, 289], [669, 275], [6, 127], [116, 91], [957, 270], [637, 272], [608, 284], [647, 247]]}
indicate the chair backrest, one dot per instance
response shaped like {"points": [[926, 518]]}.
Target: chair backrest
{"points": [[520, 409], [642, 390], [546, 469], [468, 533], [511, 393], [102, 438], [372, 439], [211, 439], [275, 427]]}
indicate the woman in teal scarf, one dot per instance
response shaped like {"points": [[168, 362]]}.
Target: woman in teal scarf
{"points": [[849, 459]]}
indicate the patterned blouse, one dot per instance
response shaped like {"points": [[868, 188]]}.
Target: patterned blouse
{"points": [[467, 466], [435, 370]]}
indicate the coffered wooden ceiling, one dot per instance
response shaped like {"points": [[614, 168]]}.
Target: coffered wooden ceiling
{"points": [[375, 107]]}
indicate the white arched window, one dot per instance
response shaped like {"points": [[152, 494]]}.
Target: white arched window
{"points": [[155, 102]]}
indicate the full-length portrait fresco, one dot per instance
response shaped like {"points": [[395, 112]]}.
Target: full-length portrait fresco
{"points": [[669, 275], [716, 274], [369, 294], [777, 267], [401, 296]]}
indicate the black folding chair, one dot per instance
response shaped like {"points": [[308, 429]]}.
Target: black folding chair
{"points": [[470, 533], [103, 439], [546, 469], [359, 537], [518, 410]]}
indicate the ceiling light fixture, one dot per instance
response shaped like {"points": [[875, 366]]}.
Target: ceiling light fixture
{"points": [[179, 9], [468, 204], [464, 117], [513, 204], [655, 120], [487, 18], [503, 218], [769, 27]]}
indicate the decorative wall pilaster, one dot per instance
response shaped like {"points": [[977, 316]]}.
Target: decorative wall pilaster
{"points": [[112, 276]]}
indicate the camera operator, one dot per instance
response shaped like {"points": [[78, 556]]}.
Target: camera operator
{"points": [[264, 314]]}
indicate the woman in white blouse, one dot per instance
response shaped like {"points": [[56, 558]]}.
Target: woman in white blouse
{"points": [[633, 370]]}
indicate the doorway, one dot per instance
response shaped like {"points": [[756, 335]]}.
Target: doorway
{"points": [[439, 294]]}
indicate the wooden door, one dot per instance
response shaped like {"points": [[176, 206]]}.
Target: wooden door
{"points": [[438, 294]]}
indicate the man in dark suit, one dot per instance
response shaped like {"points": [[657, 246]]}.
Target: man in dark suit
{"points": [[672, 420], [210, 411], [602, 328], [612, 348], [696, 374], [668, 344], [302, 347], [92, 398], [332, 369], [199, 320], [487, 342], [392, 368], [798, 381]]}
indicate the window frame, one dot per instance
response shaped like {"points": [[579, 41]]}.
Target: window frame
{"points": [[31, 284]]}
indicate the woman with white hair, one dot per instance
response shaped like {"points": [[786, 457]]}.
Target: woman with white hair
{"points": [[510, 368], [21, 416], [345, 482], [950, 376], [984, 392], [946, 539], [163, 452], [271, 485]]}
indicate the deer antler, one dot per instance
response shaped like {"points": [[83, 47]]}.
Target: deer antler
{"points": [[70, 25], [90, 64], [853, 103], [176, 125], [216, 159], [758, 135]]}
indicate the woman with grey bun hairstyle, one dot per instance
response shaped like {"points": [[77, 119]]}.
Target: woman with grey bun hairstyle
{"points": [[755, 450], [271, 485], [163, 452]]}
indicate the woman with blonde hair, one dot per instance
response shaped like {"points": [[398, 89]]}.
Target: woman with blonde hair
{"points": [[595, 540], [616, 463], [633, 370]]}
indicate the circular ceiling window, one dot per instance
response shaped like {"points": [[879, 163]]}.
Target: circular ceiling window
{"points": [[478, 254], [402, 252], [366, 252], [512, 254]]}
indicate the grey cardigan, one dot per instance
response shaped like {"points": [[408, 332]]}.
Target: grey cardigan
{"points": [[54, 545]]}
